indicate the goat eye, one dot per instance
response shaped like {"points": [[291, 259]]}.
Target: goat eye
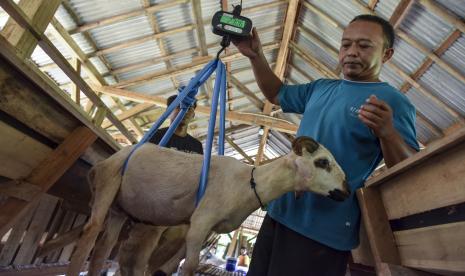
{"points": [[322, 163]]}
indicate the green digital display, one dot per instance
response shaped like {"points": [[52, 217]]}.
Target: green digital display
{"points": [[232, 21]]}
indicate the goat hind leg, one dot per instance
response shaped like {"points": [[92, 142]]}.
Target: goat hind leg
{"points": [[106, 243], [106, 188]]}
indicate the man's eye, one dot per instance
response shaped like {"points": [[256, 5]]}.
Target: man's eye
{"points": [[363, 46]]}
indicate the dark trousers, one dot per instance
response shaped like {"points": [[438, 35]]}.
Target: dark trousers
{"points": [[280, 251]]}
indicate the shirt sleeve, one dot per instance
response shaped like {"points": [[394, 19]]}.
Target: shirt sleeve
{"points": [[293, 98], [404, 121]]}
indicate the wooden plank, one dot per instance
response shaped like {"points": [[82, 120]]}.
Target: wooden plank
{"points": [[324, 69], [66, 225], [290, 27], [378, 230], [20, 190], [40, 12], [436, 182], [238, 149], [35, 231], [19, 154], [433, 149], [15, 237], [56, 56], [439, 248], [45, 84], [400, 12], [51, 232], [49, 171], [246, 91], [135, 110], [68, 249], [75, 91], [246, 118]]}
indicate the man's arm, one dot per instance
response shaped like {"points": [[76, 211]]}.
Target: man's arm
{"points": [[377, 115], [267, 81]]}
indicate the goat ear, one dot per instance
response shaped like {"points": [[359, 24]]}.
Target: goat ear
{"points": [[304, 142]]}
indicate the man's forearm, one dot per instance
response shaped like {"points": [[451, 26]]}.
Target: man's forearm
{"points": [[395, 149], [267, 81]]}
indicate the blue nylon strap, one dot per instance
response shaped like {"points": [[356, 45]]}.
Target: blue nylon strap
{"points": [[185, 99], [220, 73]]}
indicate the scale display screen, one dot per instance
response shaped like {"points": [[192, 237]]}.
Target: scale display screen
{"points": [[236, 22], [226, 23]]}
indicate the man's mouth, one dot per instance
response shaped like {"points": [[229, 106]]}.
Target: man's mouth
{"points": [[352, 63]]}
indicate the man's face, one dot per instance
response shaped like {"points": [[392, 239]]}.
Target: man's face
{"points": [[363, 51], [190, 114]]}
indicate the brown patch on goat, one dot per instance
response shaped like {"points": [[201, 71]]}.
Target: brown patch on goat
{"points": [[323, 163], [303, 141]]}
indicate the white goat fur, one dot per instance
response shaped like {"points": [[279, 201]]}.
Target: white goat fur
{"points": [[160, 185]]}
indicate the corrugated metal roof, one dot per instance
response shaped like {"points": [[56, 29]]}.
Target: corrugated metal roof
{"points": [[421, 24]]}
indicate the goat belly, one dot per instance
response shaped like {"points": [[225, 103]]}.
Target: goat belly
{"points": [[160, 185]]}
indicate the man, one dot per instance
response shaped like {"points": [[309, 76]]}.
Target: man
{"points": [[360, 120], [180, 140], [243, 259]]}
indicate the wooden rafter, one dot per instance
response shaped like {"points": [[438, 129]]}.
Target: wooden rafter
{"points": [[238, 149], [245, 118], [246, 91], [61, 34], [188, 68], [40, 12], [444, 14], [55, 55], [280, 68], [400, 12]]}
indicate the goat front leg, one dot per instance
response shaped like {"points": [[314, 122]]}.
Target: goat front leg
{"points": [[106, 243], [199, 229]]}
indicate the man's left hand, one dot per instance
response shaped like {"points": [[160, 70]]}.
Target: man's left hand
{"points": [[377, 115]]}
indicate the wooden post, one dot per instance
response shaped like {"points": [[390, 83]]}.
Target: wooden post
{"points": [[48, 172], [378, 230]]}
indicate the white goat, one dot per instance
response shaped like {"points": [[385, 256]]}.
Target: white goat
{"points": [[160, 186]]}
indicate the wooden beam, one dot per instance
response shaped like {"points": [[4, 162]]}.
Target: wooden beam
{"points": [[432, 56], [238, 149], [372, 4], [378, 230], [36, 95], [246, 118], [246, 91], [40, 13], [121, 17], [139, 108], [400, 12], [75, 91], [183, 69], [56, 56], [280, 68], [48, 172], [199, 27]]}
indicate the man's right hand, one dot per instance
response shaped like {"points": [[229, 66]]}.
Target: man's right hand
{"points": [[250, 46]]}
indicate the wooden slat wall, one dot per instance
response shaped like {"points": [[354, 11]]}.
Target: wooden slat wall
{"points": [[432, 179], [46, 220]]}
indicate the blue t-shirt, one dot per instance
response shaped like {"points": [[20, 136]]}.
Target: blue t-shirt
{"points": [[330, 116]]}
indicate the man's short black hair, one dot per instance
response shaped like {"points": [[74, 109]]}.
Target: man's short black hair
{"points": [[173, 97], [388, 30]]}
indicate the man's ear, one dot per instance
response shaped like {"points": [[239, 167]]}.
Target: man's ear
{"points": [[388, 53]]}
